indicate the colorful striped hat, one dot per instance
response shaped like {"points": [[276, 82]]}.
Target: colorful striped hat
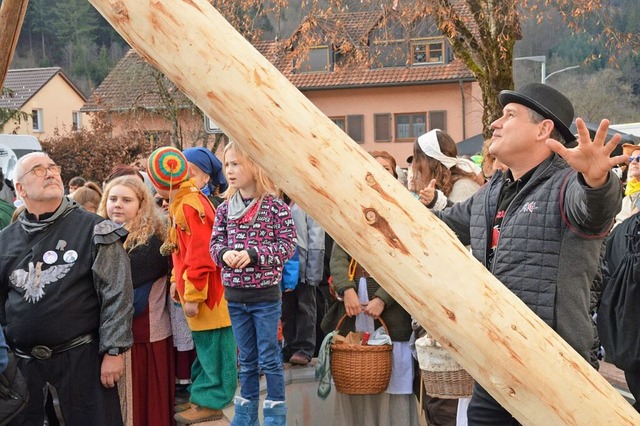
{"points": [[167, 168]]}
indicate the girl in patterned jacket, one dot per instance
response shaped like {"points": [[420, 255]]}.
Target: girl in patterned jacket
{"points": [[253, 236]]}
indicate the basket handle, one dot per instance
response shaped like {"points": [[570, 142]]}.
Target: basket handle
{"points": [[384, 324]]}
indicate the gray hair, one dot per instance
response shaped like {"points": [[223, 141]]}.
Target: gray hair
{"points": [[536, 118], [18, 170]]}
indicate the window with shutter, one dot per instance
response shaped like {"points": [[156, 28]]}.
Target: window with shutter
{"points": [[382, 127], [355, 127], [438, 120], [410, 126]]}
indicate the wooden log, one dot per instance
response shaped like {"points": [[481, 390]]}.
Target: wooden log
{"points": [[525, 365], [11, 16]]}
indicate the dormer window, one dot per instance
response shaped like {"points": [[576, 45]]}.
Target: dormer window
{"points": [[427, 51], [319, 60], [391, 53], [389, 46], [394, 45]]}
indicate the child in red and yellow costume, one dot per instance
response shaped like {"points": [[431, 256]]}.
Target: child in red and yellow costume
{"points": [[197, 282]]}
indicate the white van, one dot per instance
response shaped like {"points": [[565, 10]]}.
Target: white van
{"points": [[8, 160], [21, 144]]}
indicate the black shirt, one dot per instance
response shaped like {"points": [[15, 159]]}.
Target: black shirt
{"points": [[509, 190]]}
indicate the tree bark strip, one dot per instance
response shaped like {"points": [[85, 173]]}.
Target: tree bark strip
{"points": [[11, 16], [418, 260]]}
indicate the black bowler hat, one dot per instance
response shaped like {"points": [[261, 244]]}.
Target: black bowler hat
{"points": [[546, 101]]}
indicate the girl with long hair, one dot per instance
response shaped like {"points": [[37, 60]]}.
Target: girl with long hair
{"points": [[148, 392]]}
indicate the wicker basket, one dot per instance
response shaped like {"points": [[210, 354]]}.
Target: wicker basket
{"points": [[441, 374], [361, 370]]}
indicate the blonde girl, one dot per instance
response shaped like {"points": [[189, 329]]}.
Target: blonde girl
{"points": [[149, 367], [253, 236]]}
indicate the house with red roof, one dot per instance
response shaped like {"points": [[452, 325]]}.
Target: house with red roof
{"points": [[381, 80]]}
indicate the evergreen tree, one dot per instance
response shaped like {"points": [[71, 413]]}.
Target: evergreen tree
{"points": [[74, 22]]}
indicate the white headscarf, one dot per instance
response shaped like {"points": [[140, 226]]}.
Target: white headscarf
{"points": [[431, 147]]}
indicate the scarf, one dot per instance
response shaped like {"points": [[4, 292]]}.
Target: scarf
{"points": [[633, 186], [323, 367], [240, 212], [363, 321], [187, 194], [33, 227], [430, 146]]}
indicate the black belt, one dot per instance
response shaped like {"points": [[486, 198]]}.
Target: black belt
{"points": [[44, 352]]}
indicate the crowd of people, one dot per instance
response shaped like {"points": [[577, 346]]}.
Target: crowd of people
{"points": [[200, 271]]}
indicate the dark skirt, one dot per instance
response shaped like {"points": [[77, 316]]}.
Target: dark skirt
{"points": [[153, 372]]}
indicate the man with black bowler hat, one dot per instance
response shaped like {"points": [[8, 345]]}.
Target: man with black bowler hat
{"points": [[538, 227], [67, 301]]}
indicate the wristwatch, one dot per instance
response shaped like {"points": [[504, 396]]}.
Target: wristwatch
{"points": [[115, 351]]}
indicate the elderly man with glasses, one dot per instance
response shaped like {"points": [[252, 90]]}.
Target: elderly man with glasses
{"points": [[67, 301]]}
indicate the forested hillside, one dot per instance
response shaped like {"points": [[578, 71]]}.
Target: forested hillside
{"points": [[70, 34]]}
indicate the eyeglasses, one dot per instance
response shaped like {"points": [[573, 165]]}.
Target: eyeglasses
{"points": [[41, 170], [636, 158], [160, 201]]}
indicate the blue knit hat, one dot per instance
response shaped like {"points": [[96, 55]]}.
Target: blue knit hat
{"points": [[208, 163]]}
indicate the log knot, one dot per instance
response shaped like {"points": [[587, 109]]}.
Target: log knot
{"points": [[380, 223], [371, 216], [371, 181], [120, 10], [450, 314]]}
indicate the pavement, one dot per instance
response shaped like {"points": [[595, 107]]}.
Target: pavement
{"points": [[301, 394], [613, 375], [616, 378], [301, 377]]}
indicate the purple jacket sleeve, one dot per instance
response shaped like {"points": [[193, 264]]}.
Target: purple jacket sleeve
{"points": [[218, 243], [280, 250]]}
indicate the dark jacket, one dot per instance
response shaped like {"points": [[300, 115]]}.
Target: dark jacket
{"points": [[619, 309], [549, 243], [397, 319], [73, 280]]}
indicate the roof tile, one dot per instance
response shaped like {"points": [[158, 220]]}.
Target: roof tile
{"points": [[25, 83], [131, 84]]}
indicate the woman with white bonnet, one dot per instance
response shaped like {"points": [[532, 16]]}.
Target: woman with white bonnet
{"points": [[206, 170], [436, 166]]}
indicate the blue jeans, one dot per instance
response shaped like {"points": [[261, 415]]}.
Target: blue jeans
{"points": [[255, 327]]}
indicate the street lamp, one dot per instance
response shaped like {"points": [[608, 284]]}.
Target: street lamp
{"points": [[562, 70], [543, 66]]}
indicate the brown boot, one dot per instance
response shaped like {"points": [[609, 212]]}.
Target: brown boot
{"points": [[197, 414], [181, 407], [298, 359]]}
